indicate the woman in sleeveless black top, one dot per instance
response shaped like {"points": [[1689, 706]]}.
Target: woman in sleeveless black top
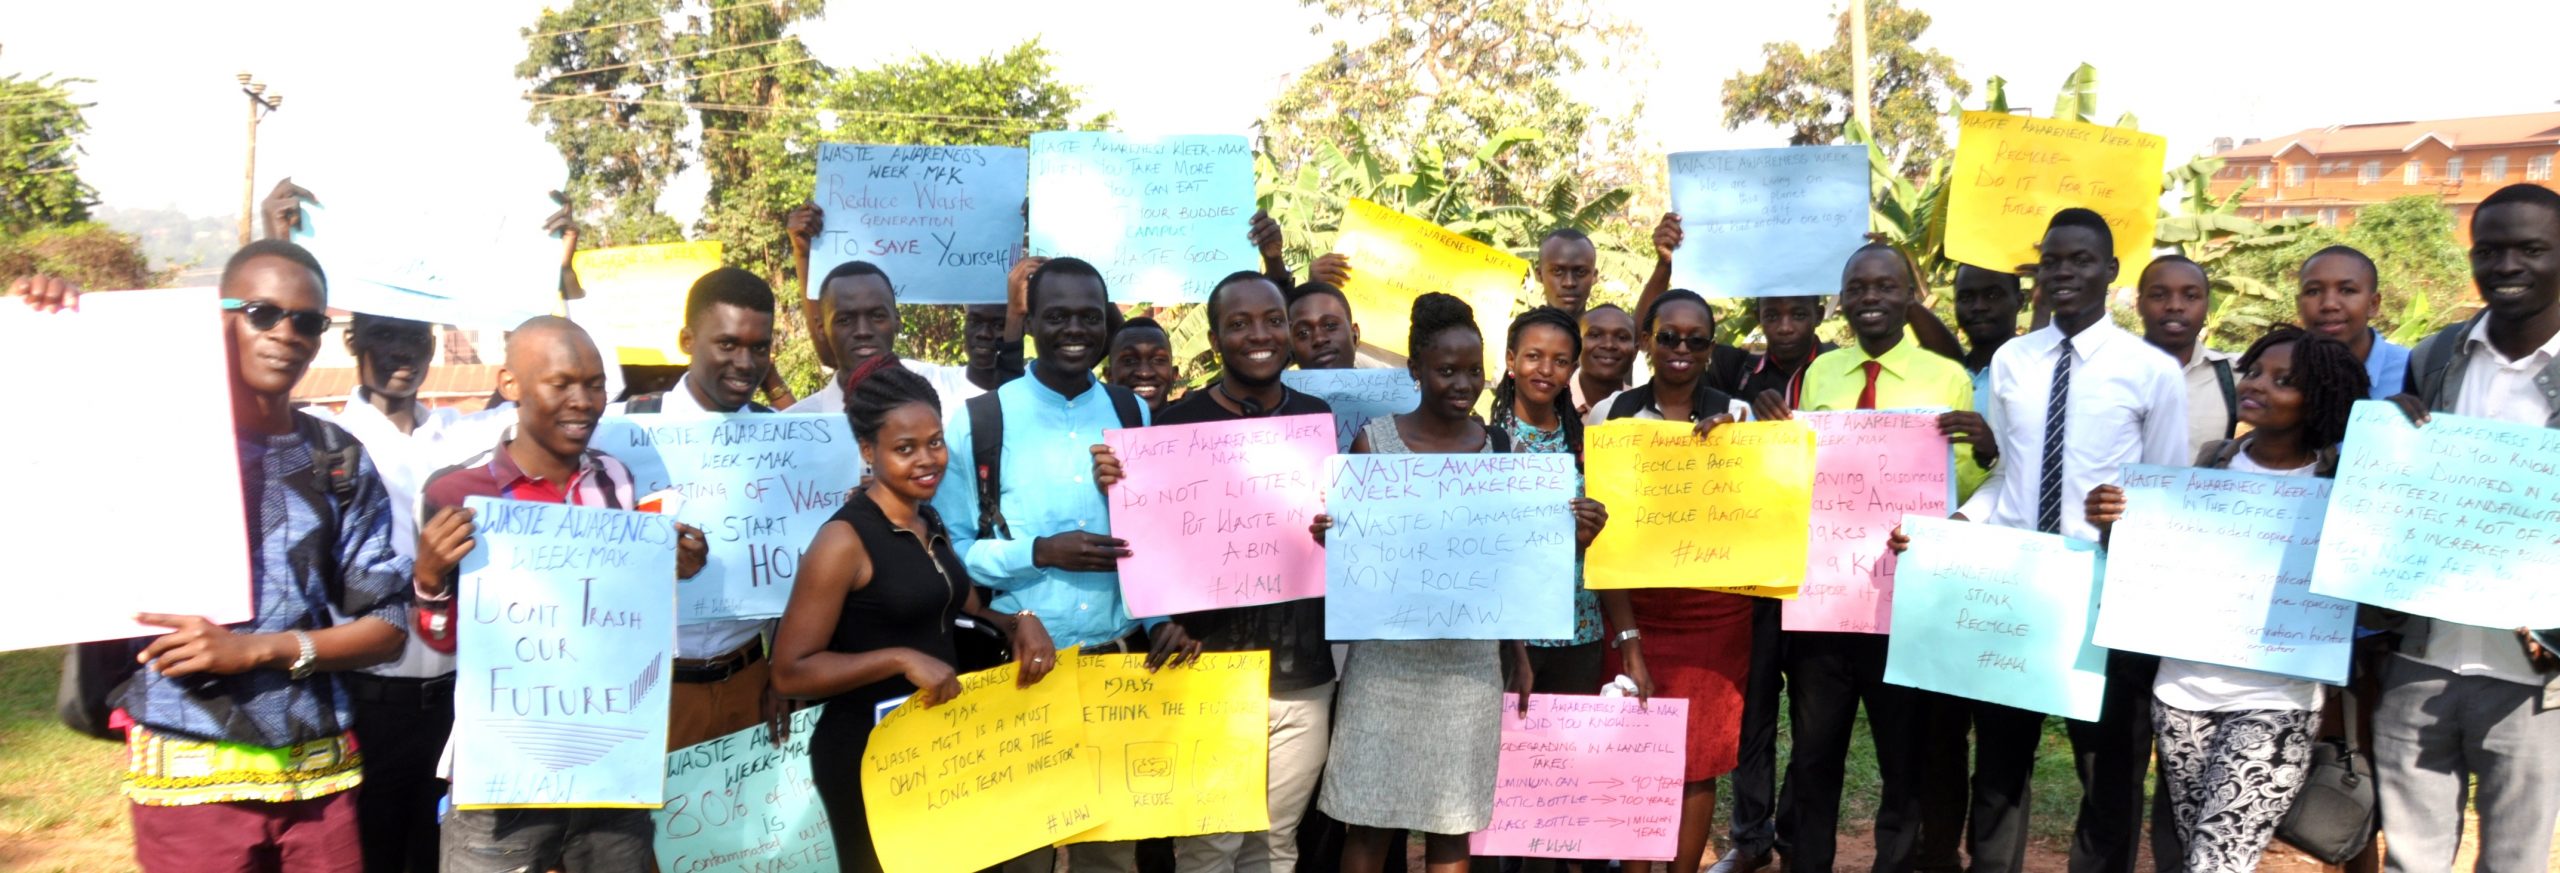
{"points": [[870, 618]]}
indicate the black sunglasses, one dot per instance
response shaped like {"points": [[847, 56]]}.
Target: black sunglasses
{"points": [[263, 316], [1669, 340]]}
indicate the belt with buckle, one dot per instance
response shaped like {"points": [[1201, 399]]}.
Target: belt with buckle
{"points": [[719, 669]]}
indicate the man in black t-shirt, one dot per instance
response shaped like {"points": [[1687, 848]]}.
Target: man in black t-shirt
{"points": [[1249, 323]]}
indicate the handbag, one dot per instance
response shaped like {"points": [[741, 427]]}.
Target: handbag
{"points": [[2333, 818]]}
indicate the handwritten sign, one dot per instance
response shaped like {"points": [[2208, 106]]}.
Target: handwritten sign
{"points": [[63, 528], [738, 804], [1768, 222], [1357, 395], [945, 222], [2455, 520], [1997, 614], [1163, 218], [989, 775], [1729, 512], [1216, 513], [1869, 470], [1587, 777], [442, 257], [1396, 258], [2215, 566], [635, 298], [759, 485], [1449, 547], [1181, 751], [2013, 173], [564, 657]]}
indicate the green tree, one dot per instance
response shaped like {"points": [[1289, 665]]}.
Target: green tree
{"points": [[40, 182], [1810, 93], [1437, 79], [90, 254], [998, 99], [2425, 276], [749, 84], [605, 79]]}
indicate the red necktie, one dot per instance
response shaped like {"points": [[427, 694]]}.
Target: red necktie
{"points": [[1867, 397]]}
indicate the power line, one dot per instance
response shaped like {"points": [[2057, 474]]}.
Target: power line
{"points": [[704, 53], [540, 99], [660, 19]]}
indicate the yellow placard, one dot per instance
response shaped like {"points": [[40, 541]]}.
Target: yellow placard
{"points": [[1180, 751], [982, 778], [1396, 258], [1728, 512], [2013, 173], [635, 297]]}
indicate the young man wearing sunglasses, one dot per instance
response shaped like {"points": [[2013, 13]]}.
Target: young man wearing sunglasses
{"points": [[240, 748]]}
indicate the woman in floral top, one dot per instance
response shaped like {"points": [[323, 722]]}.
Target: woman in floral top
{"points": [[1533, 404]]}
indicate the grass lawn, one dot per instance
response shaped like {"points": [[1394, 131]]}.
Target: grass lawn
{"points": [[59, 810], [2055, 795]]}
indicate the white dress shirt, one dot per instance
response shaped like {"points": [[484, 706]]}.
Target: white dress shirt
{"points": [[719, 636], [2494, 386], [2127, 405], [442, 437], [950, 382], [2209, 415]]}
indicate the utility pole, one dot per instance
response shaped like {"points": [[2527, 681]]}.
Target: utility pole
{"points": [[1862, 79], [259, 105]]}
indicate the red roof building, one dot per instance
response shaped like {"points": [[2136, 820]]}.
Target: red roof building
{"points": [[2329, 173]]}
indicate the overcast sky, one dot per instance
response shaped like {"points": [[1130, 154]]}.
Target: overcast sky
{"points": [[396, 99]]}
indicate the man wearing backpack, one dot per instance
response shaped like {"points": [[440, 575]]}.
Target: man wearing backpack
{"points": [[239, 743], [2481, 702], [1040, 535]]}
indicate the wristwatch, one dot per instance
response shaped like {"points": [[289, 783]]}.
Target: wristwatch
{"points": [[1624, 637], [305, 658]]}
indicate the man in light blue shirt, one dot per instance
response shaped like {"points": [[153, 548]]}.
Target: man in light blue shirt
{"points": [[1049, 549]]}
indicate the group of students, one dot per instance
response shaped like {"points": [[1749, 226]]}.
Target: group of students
{"points": [[246, 742]]}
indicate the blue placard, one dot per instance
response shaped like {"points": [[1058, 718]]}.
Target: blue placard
{"points": [[2215, 566], [1768, 222], [2457, 520], [759, 485], [945, 222], [564, 656], [1997, 614], [1449, 547], [1357, 395], [742, 804], [1163, 218]]}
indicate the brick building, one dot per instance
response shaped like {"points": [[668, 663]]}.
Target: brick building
{"points": [[2329, 173]]}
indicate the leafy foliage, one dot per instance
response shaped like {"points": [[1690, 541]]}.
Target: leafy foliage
{"points": [[94, 256], [605, 78], [2411, 240], [40, 155], [1456, 112], [1811, 92]]}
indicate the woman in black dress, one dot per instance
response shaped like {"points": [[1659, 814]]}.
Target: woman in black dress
{"points": [[870, 618]]}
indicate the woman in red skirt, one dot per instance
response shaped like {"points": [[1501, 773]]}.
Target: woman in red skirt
{"points": [[1694, 643]]}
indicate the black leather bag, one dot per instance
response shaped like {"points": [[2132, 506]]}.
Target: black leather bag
{"points": [[2334, 818]]}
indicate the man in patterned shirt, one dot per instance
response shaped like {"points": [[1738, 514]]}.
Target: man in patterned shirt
{"points": [[239, 751]]}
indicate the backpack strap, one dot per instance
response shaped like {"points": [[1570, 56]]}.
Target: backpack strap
{"points": [[2230, 396], [336, 456], [1124, 402], [2433, 362], [986, 445], [645, 404], [1497, 439], [329, 487]]}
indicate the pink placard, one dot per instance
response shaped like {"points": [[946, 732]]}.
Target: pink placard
{"points": [[78, 468], [1588, 777], [1869, 468], [1216, 514]]}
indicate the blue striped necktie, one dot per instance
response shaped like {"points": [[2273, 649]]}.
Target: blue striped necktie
{"points": [[2049, 490]]}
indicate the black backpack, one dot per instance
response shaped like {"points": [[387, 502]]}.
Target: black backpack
{"points": [[93, 673], [986, 445]]}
